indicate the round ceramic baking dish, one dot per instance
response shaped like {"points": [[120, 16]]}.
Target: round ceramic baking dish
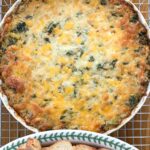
{"points": [[4, 99]]}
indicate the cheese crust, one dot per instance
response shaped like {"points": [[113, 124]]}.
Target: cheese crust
{"points": [[74, 64]]}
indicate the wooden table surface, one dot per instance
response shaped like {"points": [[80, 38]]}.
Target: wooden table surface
{"points": [[136, 132]]}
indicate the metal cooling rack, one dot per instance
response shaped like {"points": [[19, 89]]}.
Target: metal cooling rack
{"points": [[136, 132]]}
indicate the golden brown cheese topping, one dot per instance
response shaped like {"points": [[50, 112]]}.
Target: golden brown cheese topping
{"points": [[75, 64]]}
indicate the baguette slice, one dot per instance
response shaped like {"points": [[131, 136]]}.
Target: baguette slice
{"points": [[32, 144], [60, 145], [83, 147], [22, 147], [45, 148], [103, 149]]}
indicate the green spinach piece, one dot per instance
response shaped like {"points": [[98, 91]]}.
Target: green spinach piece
{"points": [[138, 49], [78, 33], [148, 74], [87, 1], [2, 48], [78, 14], [143, 39], [100, 66], [67, 115], [29, 17], [45, 102], [70, 53], [132, 101], [34, 96], [125, 63], [51, 27], [20, 27], [91, 59], [47, 40], [103, 2], [116, 14], [134, 18], [11, 41], [113, 63], [107, 65]]}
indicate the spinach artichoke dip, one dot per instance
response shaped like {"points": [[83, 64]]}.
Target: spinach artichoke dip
{"points": [[74, 64]]}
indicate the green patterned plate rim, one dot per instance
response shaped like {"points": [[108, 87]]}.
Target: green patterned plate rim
{"points": [[75, 136]]}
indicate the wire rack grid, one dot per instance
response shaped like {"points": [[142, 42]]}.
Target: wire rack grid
{"points": [[136, 132]]}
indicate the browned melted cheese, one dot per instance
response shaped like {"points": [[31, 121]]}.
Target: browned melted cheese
{"points": [[75, 64]]}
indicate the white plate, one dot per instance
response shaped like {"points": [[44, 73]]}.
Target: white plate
{"points": [[75, 136]]}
